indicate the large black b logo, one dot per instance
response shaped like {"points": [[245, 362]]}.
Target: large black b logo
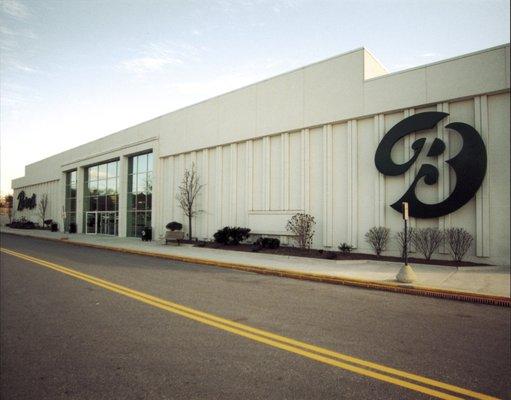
{"points": [[469, 164]]}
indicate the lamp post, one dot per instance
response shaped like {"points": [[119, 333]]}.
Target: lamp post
{"points": [[406, 273]]}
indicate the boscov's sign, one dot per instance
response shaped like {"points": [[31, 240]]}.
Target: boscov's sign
{"points": [[469, 164], [26, 202]]}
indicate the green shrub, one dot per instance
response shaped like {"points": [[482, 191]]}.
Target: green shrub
{"points": [[22, 223], [345, 248], [174, 226], [222, 235], [267, 243], [231, 235]]}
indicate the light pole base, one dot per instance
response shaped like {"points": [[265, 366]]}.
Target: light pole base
{"points": [[406, 274]]}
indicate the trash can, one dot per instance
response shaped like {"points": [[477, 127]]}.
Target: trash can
{"points": [[147, 234]]}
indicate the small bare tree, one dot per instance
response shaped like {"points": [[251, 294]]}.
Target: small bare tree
{"points": [[427, 240], [378, 237], [43, 207], [302, 225], [188, 191], [459, 241]]}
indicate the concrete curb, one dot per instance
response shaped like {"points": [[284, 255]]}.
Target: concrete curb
{"points": [[367, 284]]}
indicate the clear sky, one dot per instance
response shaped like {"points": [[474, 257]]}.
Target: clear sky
{"points": [[76, 70]]}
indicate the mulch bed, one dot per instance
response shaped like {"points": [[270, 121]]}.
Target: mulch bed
{"points": [[330, 255]]}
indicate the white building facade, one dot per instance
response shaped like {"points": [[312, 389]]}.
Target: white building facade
{"points": [[303, 141]]}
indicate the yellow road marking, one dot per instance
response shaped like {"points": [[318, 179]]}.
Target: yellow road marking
{"points": [[294, 346]]}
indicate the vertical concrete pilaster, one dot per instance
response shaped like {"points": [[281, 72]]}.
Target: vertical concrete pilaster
{"points": [[157, 196], [123, 196], [80, 192], [61, 200]]}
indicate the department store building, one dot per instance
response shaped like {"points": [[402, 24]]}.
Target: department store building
{"points": [[341, 139]]}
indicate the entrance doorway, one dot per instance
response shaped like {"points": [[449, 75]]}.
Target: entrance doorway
{"points": [[101, 222]]}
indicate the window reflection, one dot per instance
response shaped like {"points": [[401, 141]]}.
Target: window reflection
{"points": [[100, 186], [70, 200], [139, 193]]}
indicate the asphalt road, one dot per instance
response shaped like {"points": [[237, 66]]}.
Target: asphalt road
{"points": [[66, 338]]}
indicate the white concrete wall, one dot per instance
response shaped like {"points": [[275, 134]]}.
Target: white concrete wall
{"points": [[261, 183], [55, 202]]}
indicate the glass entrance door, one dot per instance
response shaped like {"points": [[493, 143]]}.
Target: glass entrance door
{"points": [[102, 222], [107, 223], [90, 222]]}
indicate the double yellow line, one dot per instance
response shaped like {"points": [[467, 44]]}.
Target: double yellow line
{"points": [[369, 369]]}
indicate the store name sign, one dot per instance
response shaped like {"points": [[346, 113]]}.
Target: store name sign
{"points": [[469, 164], [26, 202]]}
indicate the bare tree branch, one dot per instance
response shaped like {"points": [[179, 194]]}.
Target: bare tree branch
{"points": [[187, 195]]}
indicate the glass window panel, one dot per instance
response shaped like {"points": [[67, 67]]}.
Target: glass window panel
{"points": [[111, 186], [93, 173], [70, 205], [149, 183], [130, 183], [102, 171], [72, 192], [142, 163], [140, 221], [132, 165], [148, 218], [93, 204], [93, 188], [71, 178], [141, 183], [111, 203], [112, 169], [131, 224], [148, 201], [101, 203], [102, 187], [131, 201], [150, 162], [90, 223], [141, 201]]}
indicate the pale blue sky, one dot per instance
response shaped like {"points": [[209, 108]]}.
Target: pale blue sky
{"points": [[73, 71]]}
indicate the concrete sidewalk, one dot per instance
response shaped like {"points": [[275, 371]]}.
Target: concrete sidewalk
{"points": [[486, 281]]}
